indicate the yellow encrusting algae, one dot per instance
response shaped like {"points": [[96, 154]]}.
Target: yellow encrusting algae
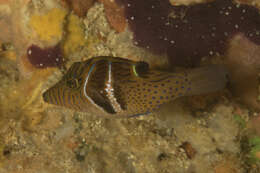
{"points": [[74, 38], [49, 26]]}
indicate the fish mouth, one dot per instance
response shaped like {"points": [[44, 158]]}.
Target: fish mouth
{"points": [[46, 96], [61, 97], [49, 96], [57, 96]]}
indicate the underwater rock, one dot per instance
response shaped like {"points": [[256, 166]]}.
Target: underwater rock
{"points": [[80, 7], [254, 124], [115, 15], [188, 33], [229, 164], [6, 26], [189, 150], [12, 24], [8, 54], [47, 57], [243, 62], [203, 102]]}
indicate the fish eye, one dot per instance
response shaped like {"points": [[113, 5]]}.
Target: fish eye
{"points": [[74, 83], [141, 68]]}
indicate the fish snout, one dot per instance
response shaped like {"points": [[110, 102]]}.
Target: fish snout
{"points": [[46, 96], [49, 96]]}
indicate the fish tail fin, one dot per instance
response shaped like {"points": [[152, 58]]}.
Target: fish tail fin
{"points": [[208, 79]]}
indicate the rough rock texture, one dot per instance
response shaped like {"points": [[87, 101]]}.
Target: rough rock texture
{"points": [[38, 137], [80, 7], [115, 15], [243, 63]]}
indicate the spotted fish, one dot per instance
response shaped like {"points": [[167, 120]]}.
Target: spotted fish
{"points": [[123, 88]]}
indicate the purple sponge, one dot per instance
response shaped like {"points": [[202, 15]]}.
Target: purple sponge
{"points": [[47, 57], [188, 33]]}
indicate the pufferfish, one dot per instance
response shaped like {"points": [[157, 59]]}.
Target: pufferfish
{"points": [[118, 87]]}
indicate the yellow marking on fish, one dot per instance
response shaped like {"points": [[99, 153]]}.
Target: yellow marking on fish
{"points": [[134, 70]]}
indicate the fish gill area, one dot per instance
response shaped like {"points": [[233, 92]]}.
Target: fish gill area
{"points": [[213, 133]]}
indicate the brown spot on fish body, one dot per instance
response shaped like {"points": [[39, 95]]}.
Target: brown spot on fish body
{"points": [[123, 88]]}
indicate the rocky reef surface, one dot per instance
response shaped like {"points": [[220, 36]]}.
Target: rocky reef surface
{"points": [[39, 40]]}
